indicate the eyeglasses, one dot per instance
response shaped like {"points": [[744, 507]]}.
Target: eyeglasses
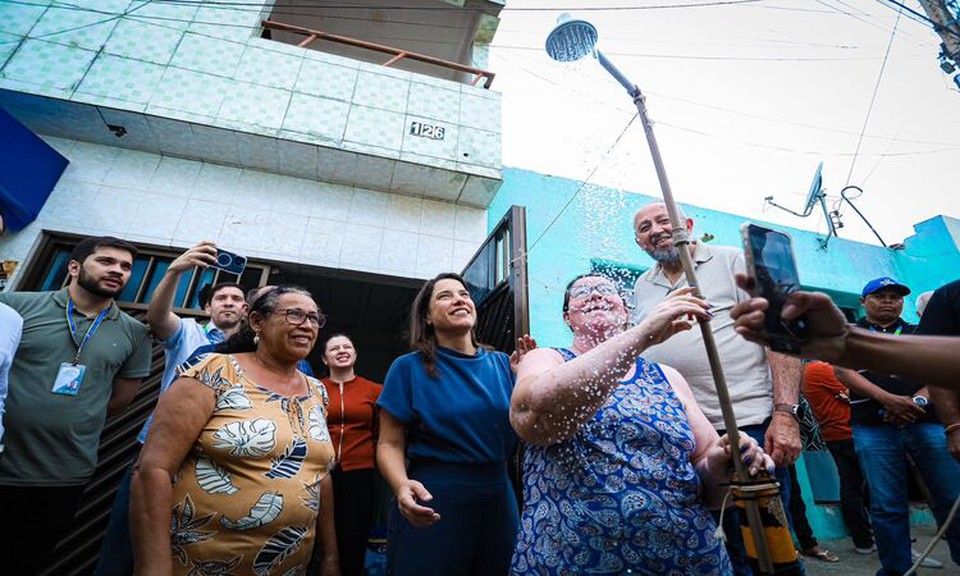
{"points": [[582, 291], [297, 317]]}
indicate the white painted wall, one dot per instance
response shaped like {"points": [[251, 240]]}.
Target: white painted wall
{"points": [[173, 202]]}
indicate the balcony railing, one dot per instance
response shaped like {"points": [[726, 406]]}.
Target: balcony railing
{"points": [[396, 53]]}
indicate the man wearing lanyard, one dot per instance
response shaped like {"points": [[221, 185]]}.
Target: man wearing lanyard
{"points": [[80, 359], [892, 418], [180, 338]]}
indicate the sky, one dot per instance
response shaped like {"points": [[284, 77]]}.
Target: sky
{"points": [[746, 100]]}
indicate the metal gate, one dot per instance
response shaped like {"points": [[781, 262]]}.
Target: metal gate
{"points": [[497, 280]]}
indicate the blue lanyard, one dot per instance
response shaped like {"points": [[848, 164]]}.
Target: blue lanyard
{"points": [[73, 329]]}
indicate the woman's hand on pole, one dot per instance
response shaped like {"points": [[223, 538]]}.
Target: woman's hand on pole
{"points": [[678, 312], [751, 454]]}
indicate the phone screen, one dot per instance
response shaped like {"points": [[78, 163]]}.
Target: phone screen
{"points": [[770, 259]]}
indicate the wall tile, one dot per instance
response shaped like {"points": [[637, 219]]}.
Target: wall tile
{"points": [[46, 65], [317, 119], [471, 223], [327, 80], [89, 162], [201, 220], [138, 134], [439, 219], [361, 248], [175, 177], [210, 55], [374, 172], [121, 78], [132, 169], [479, 191], [322, 242], [71, 27], [337, 166], [20, 21], [251, 105], [375, 127], [257, 151], [268, 68], [190, 91], [434, 255], [480, 112], [298, 159], [163, 212], [144, 41], [398, 252], [434, 103], [331, 202], [463, 252], [380, 90], [404, 213], [216, 144], [171, 135], [216, 183], [8, 45], [479, 147], [368, 208]]}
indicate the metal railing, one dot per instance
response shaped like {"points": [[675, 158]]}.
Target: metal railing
{"points": [[397, 53]]}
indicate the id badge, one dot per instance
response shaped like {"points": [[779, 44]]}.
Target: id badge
{"points": [[69, 379]]}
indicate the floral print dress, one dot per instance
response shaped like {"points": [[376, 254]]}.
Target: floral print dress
{"points": [[621, 496], [246, 498]]}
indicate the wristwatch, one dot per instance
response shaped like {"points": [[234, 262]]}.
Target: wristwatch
{"points": [[920, 401], [790, 409]]}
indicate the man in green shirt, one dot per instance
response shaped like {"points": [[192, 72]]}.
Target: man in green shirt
{"points": [[80, 359]]}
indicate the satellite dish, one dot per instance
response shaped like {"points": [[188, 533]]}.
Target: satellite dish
{"points": [[813, 196]]}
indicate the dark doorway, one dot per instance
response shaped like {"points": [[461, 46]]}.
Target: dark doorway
{"points": [[373, 310]]}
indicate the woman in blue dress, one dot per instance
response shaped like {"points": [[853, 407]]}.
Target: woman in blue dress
{"points": [[623, 464], [445, 439]]}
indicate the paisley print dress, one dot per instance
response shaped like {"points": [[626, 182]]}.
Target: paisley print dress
{"points": [[620, 497], [246, 498]]}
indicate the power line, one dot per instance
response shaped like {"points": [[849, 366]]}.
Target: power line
{"points": [[680, 5], [582, 185], [873, 98]]}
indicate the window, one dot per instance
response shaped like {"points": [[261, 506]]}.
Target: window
{"points": [[50, 273]]}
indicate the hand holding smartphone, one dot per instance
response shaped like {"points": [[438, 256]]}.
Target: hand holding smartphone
{"points": [[770, 262], [230, 262]]}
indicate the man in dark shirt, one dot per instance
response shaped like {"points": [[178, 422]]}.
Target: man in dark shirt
{"points": [[943, 319], [892, 417]]}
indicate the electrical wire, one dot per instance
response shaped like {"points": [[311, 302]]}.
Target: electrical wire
{"points": [[583, 184], [873, 99], [680, 5], [936, 25]]}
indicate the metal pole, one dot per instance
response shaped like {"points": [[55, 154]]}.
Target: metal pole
{"points": [[681, 240]]}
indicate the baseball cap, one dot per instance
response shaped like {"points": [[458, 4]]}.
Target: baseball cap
{"points": [[884, 282]]}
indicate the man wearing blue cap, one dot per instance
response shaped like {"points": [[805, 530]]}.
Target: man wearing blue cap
{"points": [[892, 418]]}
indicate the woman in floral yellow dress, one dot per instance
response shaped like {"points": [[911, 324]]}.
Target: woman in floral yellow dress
{"points": [[234, 477]]}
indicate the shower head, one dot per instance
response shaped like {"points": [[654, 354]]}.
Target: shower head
{"points": [[571, 39]]}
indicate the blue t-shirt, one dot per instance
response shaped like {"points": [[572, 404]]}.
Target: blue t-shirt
{"points": [[460, 417]]}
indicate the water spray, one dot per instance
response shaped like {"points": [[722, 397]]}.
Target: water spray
{"points": [[767, 537]]}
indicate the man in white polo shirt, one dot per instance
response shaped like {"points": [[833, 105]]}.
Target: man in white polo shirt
{"points": [[764, 386]]}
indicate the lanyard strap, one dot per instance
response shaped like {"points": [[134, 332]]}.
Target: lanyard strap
{"points": [[90, 331]]}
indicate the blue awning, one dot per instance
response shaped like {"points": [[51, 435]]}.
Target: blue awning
{"points": [[29, 169]]}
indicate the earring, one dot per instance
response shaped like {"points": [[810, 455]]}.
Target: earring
{"points": [[256, 338]]}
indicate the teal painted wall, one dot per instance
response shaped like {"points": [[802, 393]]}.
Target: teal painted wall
{"points": [[597, 224]]}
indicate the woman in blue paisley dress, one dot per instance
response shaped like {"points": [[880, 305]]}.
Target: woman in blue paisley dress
{"points": [[235, 471], [622, 464]]}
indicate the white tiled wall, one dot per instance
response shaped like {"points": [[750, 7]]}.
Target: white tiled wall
{"points": [[174, 202]]}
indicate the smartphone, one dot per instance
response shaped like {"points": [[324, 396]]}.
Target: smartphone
{"points": [[770, 261], [230, 262]]}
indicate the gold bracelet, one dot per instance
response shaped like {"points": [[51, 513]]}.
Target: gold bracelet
{"points": [[951, 428]]}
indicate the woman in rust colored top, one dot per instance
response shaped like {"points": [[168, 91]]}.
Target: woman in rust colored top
{"points": [[352, 420]]}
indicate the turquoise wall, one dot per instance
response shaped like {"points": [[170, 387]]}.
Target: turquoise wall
{"points": [[597, 224]]}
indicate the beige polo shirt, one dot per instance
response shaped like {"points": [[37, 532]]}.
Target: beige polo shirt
{"points": [[744, 364]]}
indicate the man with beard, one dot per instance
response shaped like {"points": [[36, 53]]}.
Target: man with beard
{"points": [[80, 360], [764, 386], [893, 418], [180, 338]]}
